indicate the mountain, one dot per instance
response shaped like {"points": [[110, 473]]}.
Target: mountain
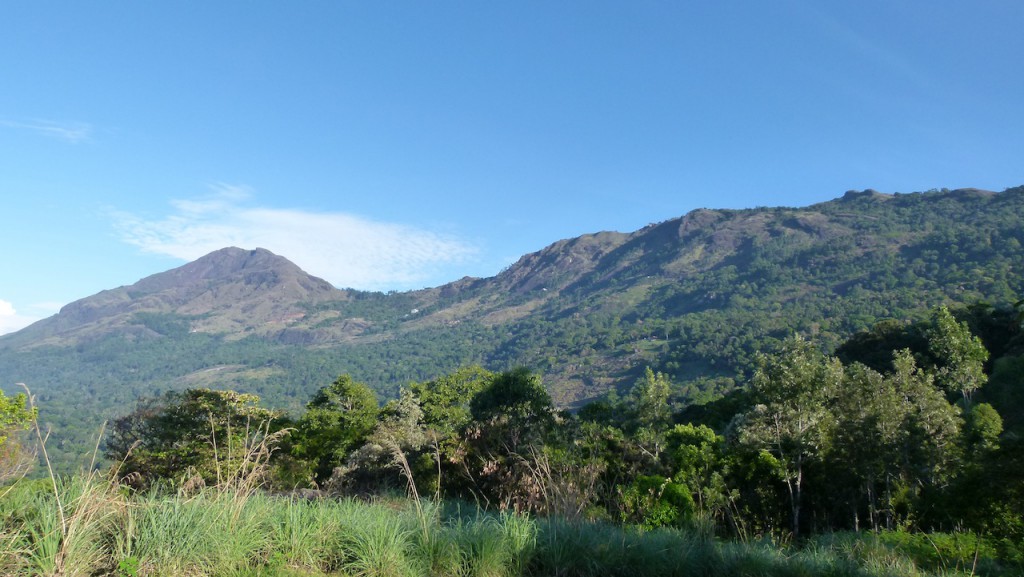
{"points": [[228, 291], [695, 297]]}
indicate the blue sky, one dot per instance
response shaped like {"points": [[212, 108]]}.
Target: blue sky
{"points": [[398, 145]]}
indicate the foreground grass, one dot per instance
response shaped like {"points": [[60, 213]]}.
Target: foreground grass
{"points": [[89, 527]]}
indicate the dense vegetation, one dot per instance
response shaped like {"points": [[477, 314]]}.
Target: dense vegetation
{"points": [[891, 457], [694, 298]]}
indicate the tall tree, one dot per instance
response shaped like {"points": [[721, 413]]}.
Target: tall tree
{"points": [[512, 418], [515, 408], [699, 462], [933, 425], [792, 420], [650, 413], [650, 401], [960, 355], [895, 433]]}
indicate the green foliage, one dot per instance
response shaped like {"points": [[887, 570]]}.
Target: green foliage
{"points": [[962, 354], [653, 502], [14, 415], [700, 462], [225, 533], [514, 408], [58, 526], [983, 425], [854, 441], [214, 435], [128, 567], [895, 434], [445, 400], [811, 444], [949, 552], [165, 324], [693, 298], [792, 420], [393, 454], [989, 496], [1005, 391], [336, 422], [841, 443], [513, 418], [874, 348], [650, 397]]}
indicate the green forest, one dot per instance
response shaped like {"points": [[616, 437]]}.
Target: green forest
{"points": [[895, 452]]}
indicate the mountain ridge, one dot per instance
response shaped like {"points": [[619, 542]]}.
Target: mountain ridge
{"points": [[193, 289], [695, 297]]}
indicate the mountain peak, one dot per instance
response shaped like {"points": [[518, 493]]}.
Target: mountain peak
{"points": [[230, 290], [222, 265]]}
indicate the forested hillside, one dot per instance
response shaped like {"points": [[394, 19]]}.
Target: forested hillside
{"points": [[899, 455], [694, 298]]}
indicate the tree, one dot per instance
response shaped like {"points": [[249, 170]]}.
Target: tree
{"points": [[15, 415], [337, 421], [514, 407], [791, 419], [651, 501], [1006, 393], [650, 414], [874, 348], [895, 434], [512, 417], [444, 403], [445, 400], [699, 462], [960, 355], [931, 448], [983, 425], [650, 398], [219, 436], [394, 445]]}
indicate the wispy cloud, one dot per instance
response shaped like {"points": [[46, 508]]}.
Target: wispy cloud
{"points": [[11, 321], [877, 52], [347, 250], [70, 132]]}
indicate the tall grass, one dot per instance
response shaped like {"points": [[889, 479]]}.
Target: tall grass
{"points": [[306, 534], [204, 534], [64, 529], [582, 549], [219, 533], [61, 530]]}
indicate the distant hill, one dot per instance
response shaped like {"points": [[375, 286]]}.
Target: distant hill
{"points": [[229, 291], [694, 297]]}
